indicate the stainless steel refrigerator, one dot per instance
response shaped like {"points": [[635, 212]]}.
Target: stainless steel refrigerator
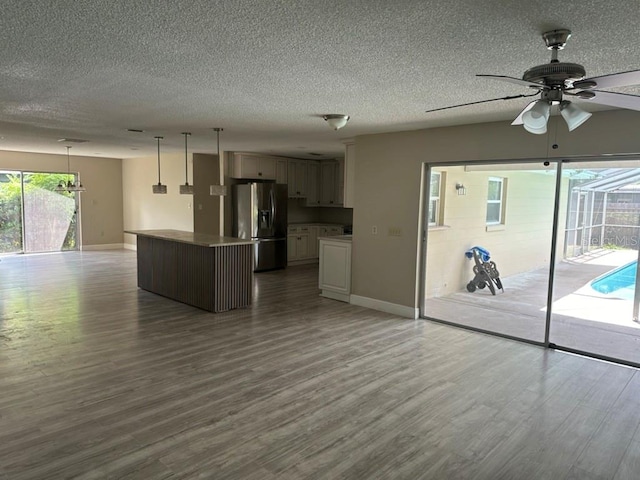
{"points": [[260, 213]]}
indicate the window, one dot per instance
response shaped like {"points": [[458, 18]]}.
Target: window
{"points": [[495, 197], [434, 199]]}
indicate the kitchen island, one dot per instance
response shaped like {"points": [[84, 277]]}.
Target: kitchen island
{"points": [[207, 271]]}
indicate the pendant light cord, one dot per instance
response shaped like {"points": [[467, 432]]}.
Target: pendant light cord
{"points": [[186, 169], [159, 138]]}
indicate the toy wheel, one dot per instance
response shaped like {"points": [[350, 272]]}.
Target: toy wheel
{"points": [[482, 285], [471, 287]]}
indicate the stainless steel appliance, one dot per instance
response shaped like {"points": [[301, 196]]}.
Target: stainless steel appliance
{"points": [[260, 213]]}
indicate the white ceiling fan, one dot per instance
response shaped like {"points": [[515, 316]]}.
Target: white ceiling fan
{"points": [[554, 81]]}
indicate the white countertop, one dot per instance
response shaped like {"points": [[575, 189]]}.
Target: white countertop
{"points": [[337, 238], [200, 239]]}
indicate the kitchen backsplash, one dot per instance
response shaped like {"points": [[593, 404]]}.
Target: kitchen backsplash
{"points": [[299, 214]]}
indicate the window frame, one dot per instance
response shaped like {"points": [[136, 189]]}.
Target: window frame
{"points": [[437, 206], [499, 201]]}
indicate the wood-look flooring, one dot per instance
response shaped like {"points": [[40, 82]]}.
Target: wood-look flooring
{"points": [[99, 379]]}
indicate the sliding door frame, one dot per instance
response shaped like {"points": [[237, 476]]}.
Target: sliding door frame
{"points": [[560, 162]]}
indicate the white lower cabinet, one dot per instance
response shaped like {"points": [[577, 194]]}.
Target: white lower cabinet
{"points": [[302, 241], [335, 268]]}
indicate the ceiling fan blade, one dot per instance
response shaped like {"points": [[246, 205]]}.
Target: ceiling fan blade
{"points": [[621, 100], [518, 120], [614, 80], [517, 81], [480, 101]]}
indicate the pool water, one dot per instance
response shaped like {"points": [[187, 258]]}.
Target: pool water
{"points": [[619, 283]]}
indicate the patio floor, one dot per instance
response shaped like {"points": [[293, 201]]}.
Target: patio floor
{"points": [[582, 318]]}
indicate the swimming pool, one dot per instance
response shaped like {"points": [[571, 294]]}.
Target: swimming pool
{"points": [[618, 283]]}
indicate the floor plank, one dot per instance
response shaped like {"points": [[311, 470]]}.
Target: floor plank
{"points": [[99, 379]]}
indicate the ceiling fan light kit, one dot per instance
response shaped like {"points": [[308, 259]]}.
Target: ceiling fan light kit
{"points": [[573, 115], [555, 80], [535, 119]]}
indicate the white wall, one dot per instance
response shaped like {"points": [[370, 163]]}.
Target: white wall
{"points": [[388, 175], [144, 210]]}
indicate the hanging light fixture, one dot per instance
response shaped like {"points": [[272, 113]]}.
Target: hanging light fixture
{"points": [[70, 186], [186, 189], [336, 120], [218, 190], [159, 188]]}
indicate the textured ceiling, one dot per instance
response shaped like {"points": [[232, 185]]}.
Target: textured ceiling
{"points": [[266, 71]]}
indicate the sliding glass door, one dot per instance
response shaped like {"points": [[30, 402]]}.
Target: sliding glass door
{"points": [[489, 247], [34, 217], [537, 251], [595, 297], [11, 212]]}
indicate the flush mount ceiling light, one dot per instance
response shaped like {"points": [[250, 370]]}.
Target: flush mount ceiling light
{"points": [[70, 186], [159, 188], [186, 189], [336, 120]]}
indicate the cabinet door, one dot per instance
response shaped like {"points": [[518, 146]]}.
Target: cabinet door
{"points": [[267, 168], [291, 179], [245, 166], [313, 180], [340, 182], [292, 253], [313, 242], [281, 170], [301, 178], [327, 183], [302, 246]]}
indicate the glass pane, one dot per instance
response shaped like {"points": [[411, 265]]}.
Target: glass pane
{"points": [[464, 288], [50, 216], [435, 185], [495, 188], [493, 213], [10, 212], [433, 209], [595, 307]]}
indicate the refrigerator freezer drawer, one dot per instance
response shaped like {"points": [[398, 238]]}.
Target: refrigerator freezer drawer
{"points": [[269, 254]]}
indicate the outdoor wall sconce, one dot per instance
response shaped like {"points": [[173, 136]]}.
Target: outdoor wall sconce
{"points": [[460, 188]]}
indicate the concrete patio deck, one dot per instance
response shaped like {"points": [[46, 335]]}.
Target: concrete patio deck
{"points": [[582, 318]]}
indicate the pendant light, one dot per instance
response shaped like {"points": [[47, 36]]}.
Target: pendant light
{"points": [[186, 189], [159, 188], [218, 190], [70, 186]]}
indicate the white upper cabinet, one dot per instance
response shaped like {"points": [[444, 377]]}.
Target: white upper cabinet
{"points": [[253, 167], [297, 178], [313, 183], [281, 170]]}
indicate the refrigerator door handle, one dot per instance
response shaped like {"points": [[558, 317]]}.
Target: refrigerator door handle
{"points": [[273, 208]]}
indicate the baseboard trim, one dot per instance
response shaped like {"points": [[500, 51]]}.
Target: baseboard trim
{"points": [[388, 307], [106, 246], [131, 246], [343, 297]]}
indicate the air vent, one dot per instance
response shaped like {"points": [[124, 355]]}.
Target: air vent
{"points": [[72, 140], [135, 130]]}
